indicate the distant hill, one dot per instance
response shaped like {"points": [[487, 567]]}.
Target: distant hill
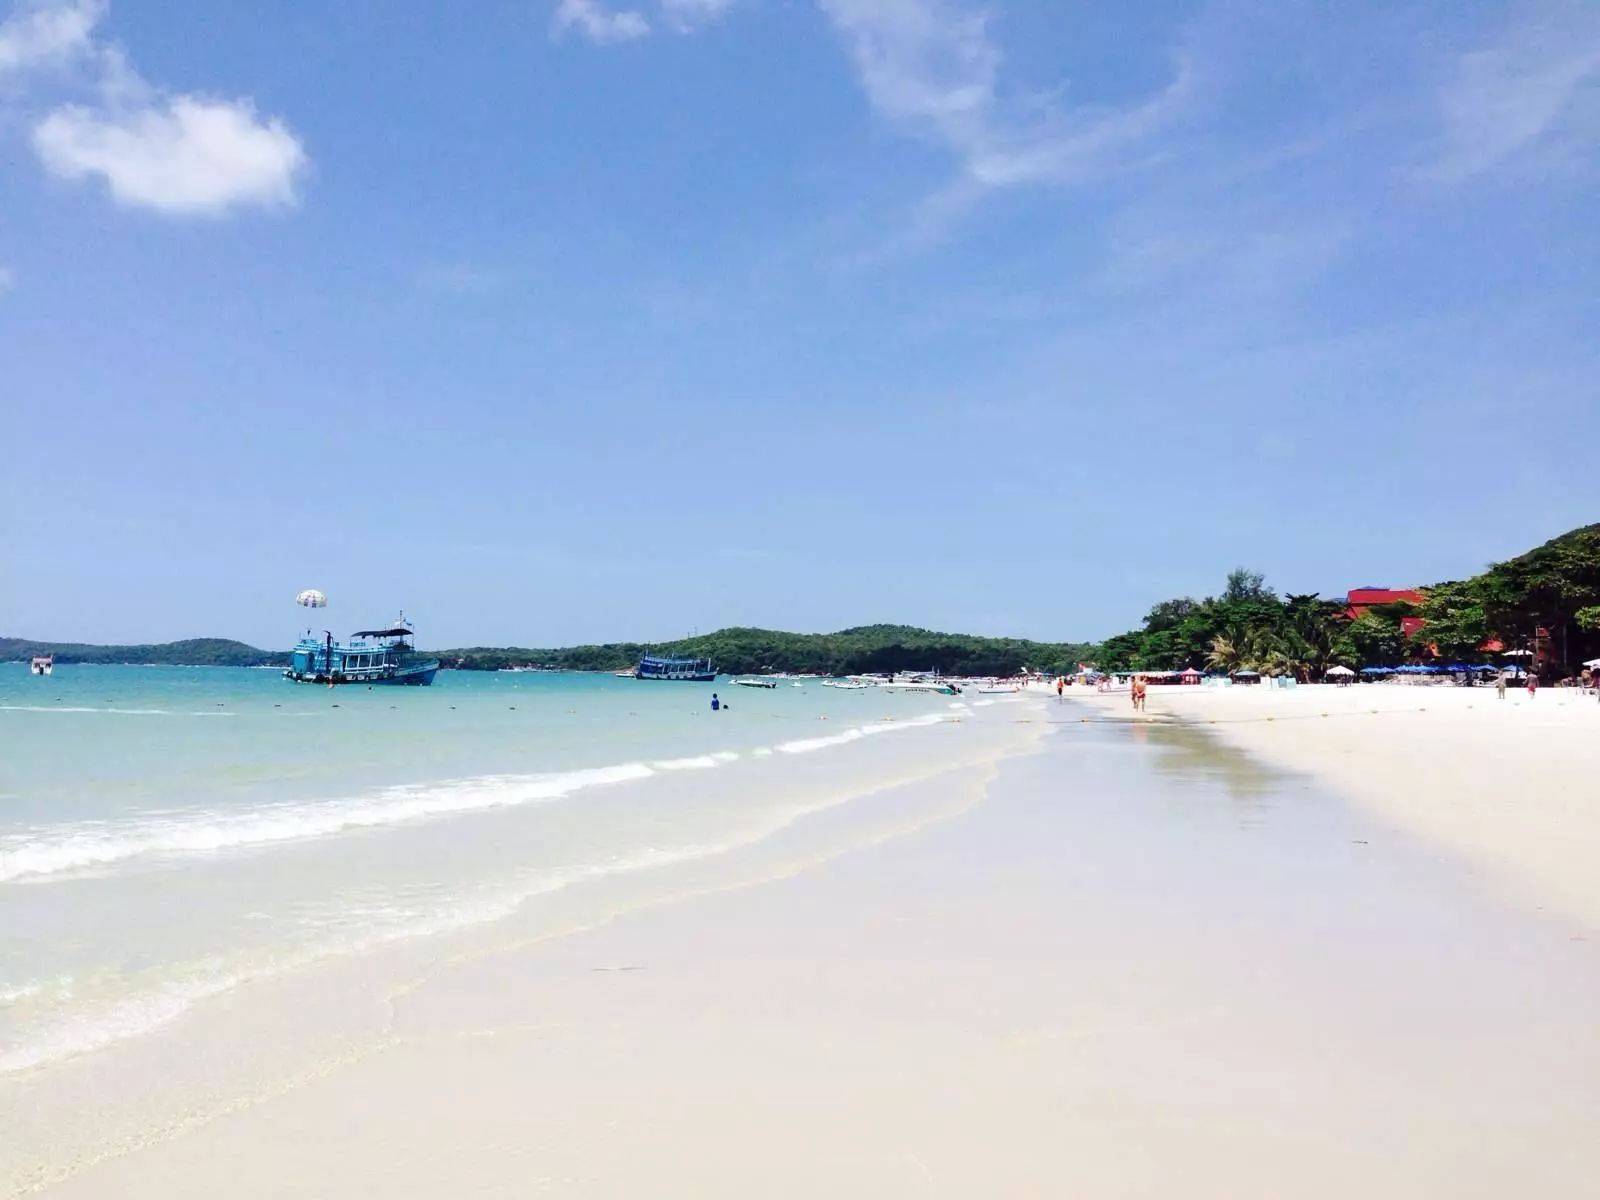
{"points": [[737, 651], [191, 652], [742, 650]]}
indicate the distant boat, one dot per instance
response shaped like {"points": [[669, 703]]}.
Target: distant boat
{"points": [[42, 664], [630, 673], [376, 656], [676, 670], [846, 685], [923, 686], [756, 683]]}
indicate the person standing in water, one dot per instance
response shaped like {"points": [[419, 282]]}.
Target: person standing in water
{"points": [[715, 703]]}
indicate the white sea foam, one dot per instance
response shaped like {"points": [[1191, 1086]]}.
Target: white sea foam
{"points": [[11, 993], [808, 745], [703, 762], [356, 929], [100, 843], [129, 1016]]}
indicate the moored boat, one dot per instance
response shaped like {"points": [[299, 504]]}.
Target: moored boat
{"points": [[42, 664], [756, 682], [676, 670], [924, 686], [372, 656]]}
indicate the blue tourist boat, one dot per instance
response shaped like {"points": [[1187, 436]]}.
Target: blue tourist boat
{"points": [[680, 670], [372, 656]]}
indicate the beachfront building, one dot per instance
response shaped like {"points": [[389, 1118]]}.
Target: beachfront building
{"points": [[1362, 599]]}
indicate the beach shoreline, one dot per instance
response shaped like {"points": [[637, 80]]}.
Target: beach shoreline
{"points": [[1110, 958], [1507, 785]]}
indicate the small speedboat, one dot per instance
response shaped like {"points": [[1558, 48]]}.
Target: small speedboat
{"points": [[921, 686], [42, 664], [846, 685], [756, 683]]}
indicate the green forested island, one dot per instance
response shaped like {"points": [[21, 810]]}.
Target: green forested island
{"points": [[850, 651], [738, 651], [1546, 600], [191, 652]]}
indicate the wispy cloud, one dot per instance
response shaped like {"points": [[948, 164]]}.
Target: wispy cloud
{"points": [[7, 280], [593, 20], [687, 15], [600, 23], [1506, 99], [174, 153], [43, 35], [931, 69]]}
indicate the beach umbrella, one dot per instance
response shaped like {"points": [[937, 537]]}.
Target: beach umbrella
{"points": [[1518, 653], [1593, 662], [311, 598], [1340, 671]]}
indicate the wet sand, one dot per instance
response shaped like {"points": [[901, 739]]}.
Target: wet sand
{"points": [[1131, 963], [1509, 788]]}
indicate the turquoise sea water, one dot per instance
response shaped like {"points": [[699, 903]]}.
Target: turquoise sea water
{"points": [[167, 834]]}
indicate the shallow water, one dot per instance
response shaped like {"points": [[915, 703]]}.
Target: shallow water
{"points": [[167, 834]]}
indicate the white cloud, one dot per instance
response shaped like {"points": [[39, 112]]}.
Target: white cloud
{"points": [[593, 20], [43, 35], [930, 67], [1508, 98], [685, 15], [181, 154], [176, 153], [7, 279]]}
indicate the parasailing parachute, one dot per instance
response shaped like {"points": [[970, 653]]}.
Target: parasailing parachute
{"points": [[311, 598]]}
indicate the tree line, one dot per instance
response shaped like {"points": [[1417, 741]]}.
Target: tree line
{"points": [[1554, 588], [1546, 601]]}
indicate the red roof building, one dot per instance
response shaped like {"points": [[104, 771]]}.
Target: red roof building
{"points": [[1362, 598]]}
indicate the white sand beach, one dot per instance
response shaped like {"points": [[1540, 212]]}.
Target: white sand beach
{"points": [[1098, 959], [1511, 787]]}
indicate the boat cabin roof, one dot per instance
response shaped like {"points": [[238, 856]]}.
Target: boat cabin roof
{"points": [[396, 632]]}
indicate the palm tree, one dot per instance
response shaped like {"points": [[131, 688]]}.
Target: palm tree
{"points": [[1225, 654]]}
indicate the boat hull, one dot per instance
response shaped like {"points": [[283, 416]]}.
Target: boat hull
{"points": [[418, 675]]}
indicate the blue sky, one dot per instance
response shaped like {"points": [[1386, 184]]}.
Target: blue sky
{"points": [[562, 321]]}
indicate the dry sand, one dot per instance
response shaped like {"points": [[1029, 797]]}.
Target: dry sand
{"points": [[1511, 786]]}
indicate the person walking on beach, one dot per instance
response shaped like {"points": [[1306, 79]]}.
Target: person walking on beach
{"points": [[1137, 688], [1061, 686], [1533, 683], [1500, 685]]}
